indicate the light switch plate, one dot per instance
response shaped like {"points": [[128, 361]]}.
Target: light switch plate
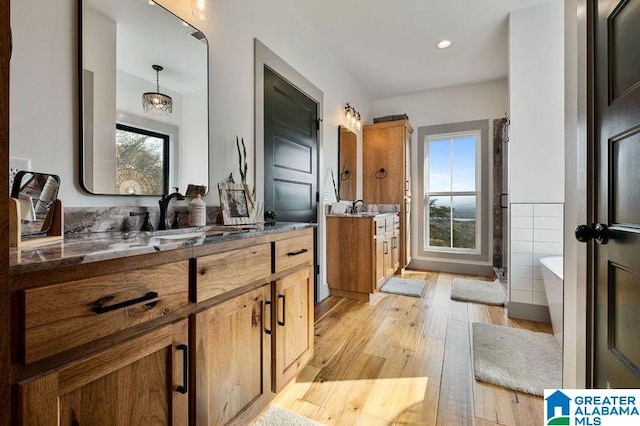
{"points": [[15, 165]]}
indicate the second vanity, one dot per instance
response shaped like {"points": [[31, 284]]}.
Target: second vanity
{"points": [[204, 329], [362, 253]]}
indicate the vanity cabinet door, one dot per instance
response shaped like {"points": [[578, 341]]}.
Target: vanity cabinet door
{"points": [[381, 244], [141, 381], [233, 359], [395, 251], [293, 329]]}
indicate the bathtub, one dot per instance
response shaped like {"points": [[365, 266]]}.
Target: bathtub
{"points": [[552, 273]]}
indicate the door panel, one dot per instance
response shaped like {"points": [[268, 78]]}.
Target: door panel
{"points": [[616, 292], [290, 151]]}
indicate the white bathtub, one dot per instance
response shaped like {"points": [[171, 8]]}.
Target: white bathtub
{"points": [[552, 273]]}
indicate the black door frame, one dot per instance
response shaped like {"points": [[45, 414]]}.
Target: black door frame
{"points": [[263, 56]]}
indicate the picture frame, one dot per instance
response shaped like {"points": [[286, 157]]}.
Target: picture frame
{"points": [[237, 204]]}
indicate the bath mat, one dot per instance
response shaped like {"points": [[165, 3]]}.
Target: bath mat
{"points": [[516, 359], [278, 416], [404, 287], [489, 293]]}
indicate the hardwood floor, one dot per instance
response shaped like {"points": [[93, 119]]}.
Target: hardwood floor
{"points": [[405, 361]]}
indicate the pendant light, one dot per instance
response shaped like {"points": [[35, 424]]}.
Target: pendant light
{"points": [[156, 103]]}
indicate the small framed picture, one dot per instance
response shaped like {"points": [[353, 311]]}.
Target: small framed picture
{"points": [[237, 204]]}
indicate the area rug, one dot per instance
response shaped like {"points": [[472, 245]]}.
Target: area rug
{"points": [[278, 416], [516, 359], [404, 287], [487, 292]]}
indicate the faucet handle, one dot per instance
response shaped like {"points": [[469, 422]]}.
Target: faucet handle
{"points": [[177, 223], [176, 189], [146, 225]]}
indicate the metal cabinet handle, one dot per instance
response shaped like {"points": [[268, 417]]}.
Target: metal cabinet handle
{"points": [[99, 309], [296, 253], [284, 304], [185, 369], [386, 247], [267, 319], [503, 206]]}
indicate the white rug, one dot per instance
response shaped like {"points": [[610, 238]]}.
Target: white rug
{"points": [[517, 359], [278, 416], [404, 287], [487, 292]]}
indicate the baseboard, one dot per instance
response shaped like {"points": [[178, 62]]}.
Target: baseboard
{"points": [[451, 267], [529, 312]]}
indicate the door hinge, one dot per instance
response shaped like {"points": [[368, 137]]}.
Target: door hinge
{"points": [[318, 123], [317, 197], [317, 269]]}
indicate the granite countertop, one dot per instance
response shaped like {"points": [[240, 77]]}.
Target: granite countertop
{"points": [[362, 214], [93, 247]]}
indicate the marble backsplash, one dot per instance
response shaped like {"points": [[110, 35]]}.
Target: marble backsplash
{"points": [[107, 219]]}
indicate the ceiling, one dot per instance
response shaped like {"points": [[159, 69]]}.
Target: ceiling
{"points": [[390, 46], [149, 34]]}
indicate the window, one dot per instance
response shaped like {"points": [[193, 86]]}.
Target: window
{"points": [[451, 199], [142, 161]]}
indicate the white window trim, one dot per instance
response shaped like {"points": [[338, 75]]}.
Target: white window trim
{"points": [[478, 192]]}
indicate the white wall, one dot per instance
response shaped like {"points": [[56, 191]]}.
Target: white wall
{"points": [[192, 132], [536, 98], [100, 53], [43, 121], [469, 102]]}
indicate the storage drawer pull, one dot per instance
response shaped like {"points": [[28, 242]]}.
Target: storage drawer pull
{"points": [[296, 253], [185, 368], [386, 247], [267, 319], [281, 296], [99, 309]]}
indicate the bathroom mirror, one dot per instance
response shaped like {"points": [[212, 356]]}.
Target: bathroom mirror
{"points": [[36, 194], [128, 48], [347, 163]]}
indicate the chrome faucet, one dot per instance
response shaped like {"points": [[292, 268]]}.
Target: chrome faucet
{"points": [[164, 205], [354, 206]]}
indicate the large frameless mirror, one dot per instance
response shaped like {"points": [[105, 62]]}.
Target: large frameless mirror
{"points": [[144, 99], [347, 162]]}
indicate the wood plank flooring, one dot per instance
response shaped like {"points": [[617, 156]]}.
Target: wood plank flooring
{"points": [[405, 361]]}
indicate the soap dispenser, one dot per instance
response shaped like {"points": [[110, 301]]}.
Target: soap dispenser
{"points": [[197, 211]]}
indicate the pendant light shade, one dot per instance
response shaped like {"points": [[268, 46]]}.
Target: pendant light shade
{"points": [[157, 103]]}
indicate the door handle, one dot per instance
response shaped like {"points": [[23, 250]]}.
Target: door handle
{"points": [[185, 369], [267, 320], [284, 301], [597, 231]]}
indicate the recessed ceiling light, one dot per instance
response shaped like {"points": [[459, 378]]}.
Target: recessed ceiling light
{"points": [[443, 44], [151, 2]]}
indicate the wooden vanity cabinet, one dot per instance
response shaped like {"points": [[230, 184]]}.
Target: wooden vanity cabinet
{"points": [[143, 380], [228, 324], [362, 253], [386, 164]]}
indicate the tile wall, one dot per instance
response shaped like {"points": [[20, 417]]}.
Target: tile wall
{"points": [[536, 231]]}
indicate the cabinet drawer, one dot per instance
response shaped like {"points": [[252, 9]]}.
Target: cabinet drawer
{"points": [[63, 316], [380, 226], [219, 273], [294, 251]]}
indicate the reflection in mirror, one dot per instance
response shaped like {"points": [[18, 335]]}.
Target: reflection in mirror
{"points": [[36, 194], [127, 147], [347, 160]]}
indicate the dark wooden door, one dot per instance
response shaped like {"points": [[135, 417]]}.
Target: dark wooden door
{"points": [[616, 262], [290, 151]]}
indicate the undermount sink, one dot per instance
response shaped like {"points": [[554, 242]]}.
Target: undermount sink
{"points": [[174, 238]]}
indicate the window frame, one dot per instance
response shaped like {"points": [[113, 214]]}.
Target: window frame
{"points": [[451, 136], [166, 148]]}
